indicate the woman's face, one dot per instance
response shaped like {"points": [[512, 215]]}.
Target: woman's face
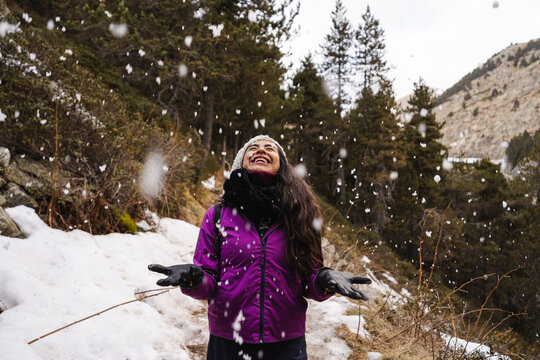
{"points": [[262, 155]]}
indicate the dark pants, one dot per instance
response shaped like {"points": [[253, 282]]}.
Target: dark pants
{"points": [[223, 349]]}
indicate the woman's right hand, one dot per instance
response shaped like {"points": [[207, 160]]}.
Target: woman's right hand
{"points": [[185, 275], [333, 281]]}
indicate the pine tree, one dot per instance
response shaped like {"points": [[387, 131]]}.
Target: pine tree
{"points": [[337, 64], [337, 59], [425, 153], [379, 155], [310, 120], [418, 187], [369, 50]]}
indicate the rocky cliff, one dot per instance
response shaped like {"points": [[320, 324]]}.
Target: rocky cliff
{"points": [[493, 103]]}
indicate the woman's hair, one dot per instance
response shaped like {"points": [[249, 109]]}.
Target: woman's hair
{"points": [[302, 217]]}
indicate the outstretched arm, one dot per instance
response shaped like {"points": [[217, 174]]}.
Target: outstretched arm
{"points": [[333, 281], [197, 280]]}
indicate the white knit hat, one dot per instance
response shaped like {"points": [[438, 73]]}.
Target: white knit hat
{"points": [[239, 159]]}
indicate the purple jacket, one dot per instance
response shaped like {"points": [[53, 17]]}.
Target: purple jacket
{"points": [[251, 269]]}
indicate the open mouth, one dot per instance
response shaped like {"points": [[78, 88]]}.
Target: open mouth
{"points": [[260, 160]]}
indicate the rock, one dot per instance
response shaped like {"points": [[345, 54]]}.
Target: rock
{"points": [[19, 177], [2, 200], [32, 167], [7, 225], [16, 196], [5, 156], [3, 182]]}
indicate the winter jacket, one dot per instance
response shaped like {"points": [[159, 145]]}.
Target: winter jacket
{"points": [[254, 295]]}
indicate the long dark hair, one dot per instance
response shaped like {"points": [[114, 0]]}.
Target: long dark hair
{"points": [[302, 217]]}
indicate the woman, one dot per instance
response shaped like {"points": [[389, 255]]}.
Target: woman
{"points": [[262, 262]]}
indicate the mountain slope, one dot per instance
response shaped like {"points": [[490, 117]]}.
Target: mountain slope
{"points": [[493, 103]]}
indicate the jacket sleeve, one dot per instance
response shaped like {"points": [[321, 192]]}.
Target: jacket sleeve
{"points": [[207, 257], [312, 291]]}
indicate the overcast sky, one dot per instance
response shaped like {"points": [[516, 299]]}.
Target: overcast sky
{"points": [[438, 40]]}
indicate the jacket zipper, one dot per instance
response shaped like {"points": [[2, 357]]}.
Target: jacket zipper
{"points": [[263, 239]]}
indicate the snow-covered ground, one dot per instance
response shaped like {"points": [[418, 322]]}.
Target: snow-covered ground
{"points": [[53, 278]]}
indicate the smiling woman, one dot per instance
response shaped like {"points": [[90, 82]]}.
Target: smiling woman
{"points": [[259, 262], [262, 155]]}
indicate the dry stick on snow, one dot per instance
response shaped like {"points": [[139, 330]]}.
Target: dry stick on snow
{"points": [[153, 290], [96, 314]]}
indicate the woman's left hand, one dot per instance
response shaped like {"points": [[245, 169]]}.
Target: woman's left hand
{"points": [[333, 281]]}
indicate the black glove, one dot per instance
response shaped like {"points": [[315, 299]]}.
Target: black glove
{"points": [[332, 281], [186, 275]]}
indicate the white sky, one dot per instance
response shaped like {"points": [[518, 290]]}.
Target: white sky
{"points": [[438, 40]]}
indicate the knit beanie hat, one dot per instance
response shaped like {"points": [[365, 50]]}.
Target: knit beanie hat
{"points": [[239, 159]]}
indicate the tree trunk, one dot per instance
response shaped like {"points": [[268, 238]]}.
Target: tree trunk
{"points": [[207, 127]]}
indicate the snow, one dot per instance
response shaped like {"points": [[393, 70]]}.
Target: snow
{"points": [[209, 183], [7, 28], [471, 348], [53, 278], [118, 30], [182, 70], [374, 356]]}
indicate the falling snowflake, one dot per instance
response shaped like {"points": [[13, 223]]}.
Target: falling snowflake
{"points": [[252, 16], [182, 70], [216, 29], [300, 170], [343, 153], [393, 175], [50, 24], [423, 112], [118, 30], [188, 40], [447, 165], [408, 117], [2, 116], [317, 224], [437, 178], [103, 167], [26, 18], [422, 129], [129, 69]]}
